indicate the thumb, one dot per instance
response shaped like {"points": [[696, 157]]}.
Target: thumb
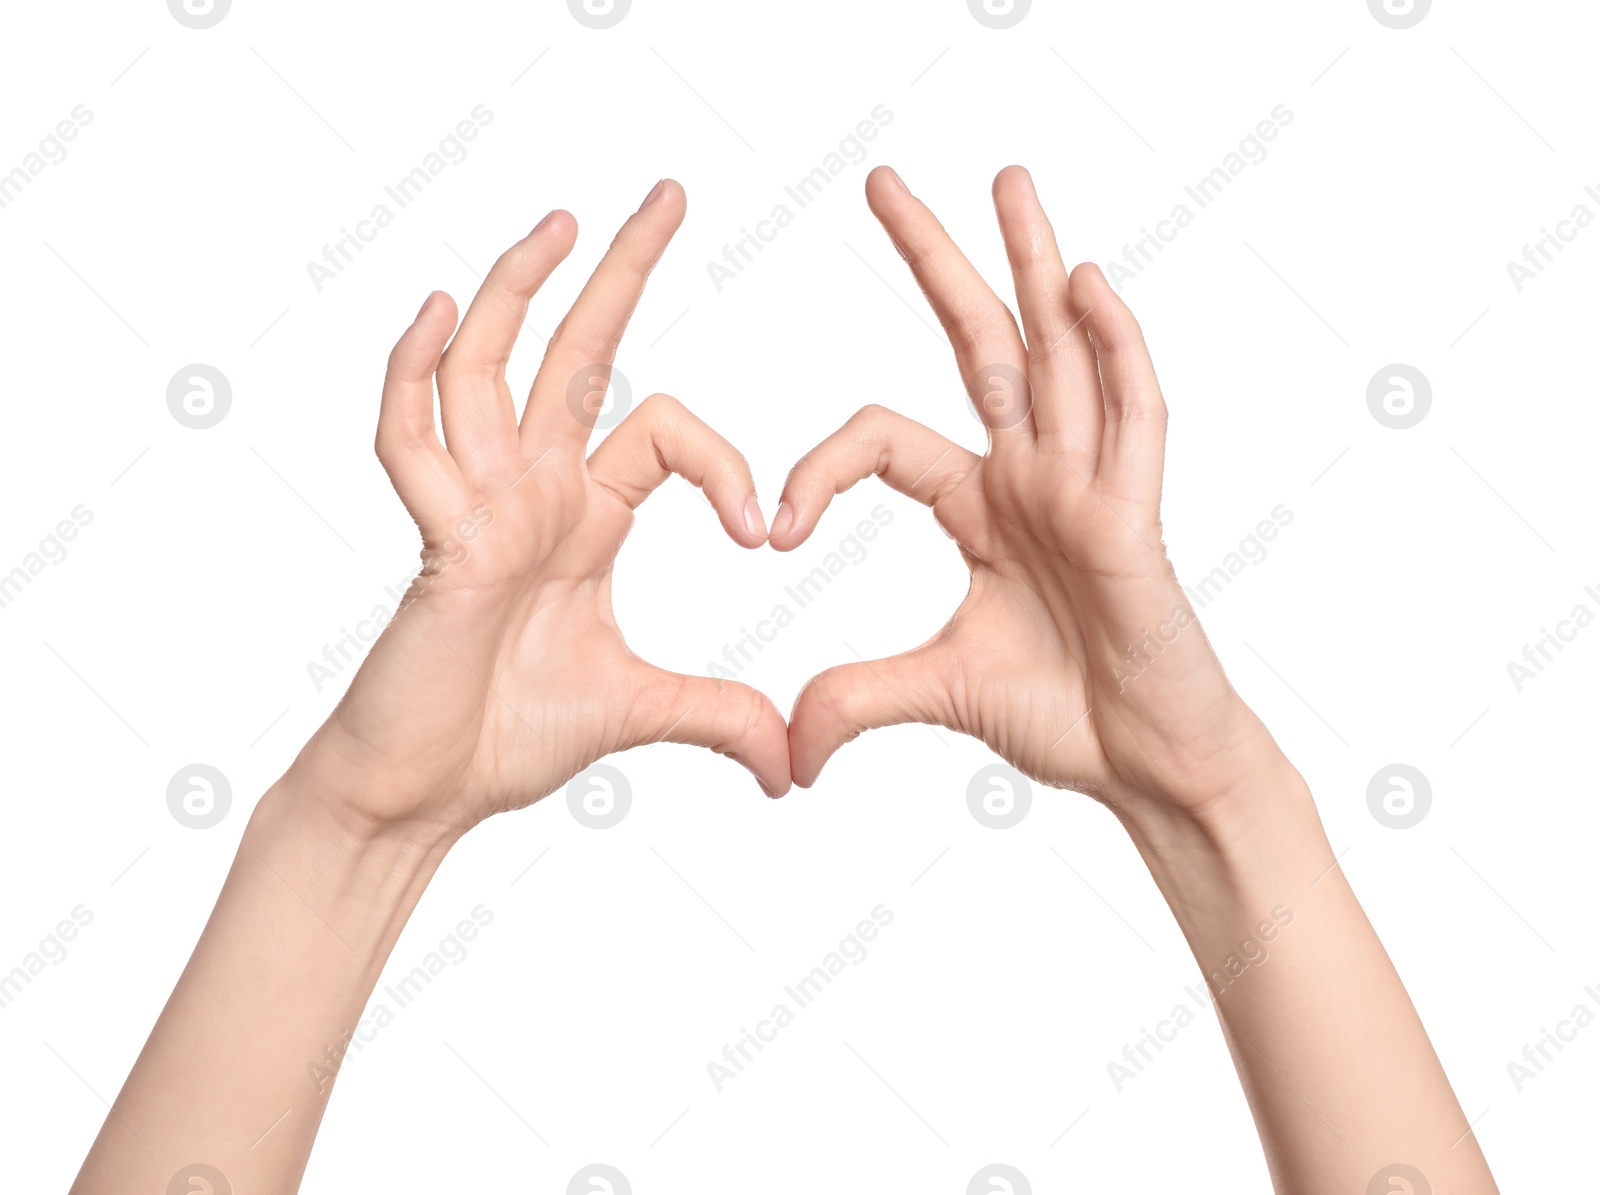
{"points": [[838, 704], [730, 718]]}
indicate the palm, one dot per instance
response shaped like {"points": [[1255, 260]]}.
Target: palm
{"points": [[566, 690]]}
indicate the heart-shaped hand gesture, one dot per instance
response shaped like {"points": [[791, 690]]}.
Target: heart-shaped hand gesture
{"points": [[1075, 655], [504, 673]]}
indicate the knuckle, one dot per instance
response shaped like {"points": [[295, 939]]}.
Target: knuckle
{"points": [[455, 366], [390, 448], [827, 694], [872, 424], [663, 407], [750, 711], [508, 262], [1082, 276], [1141, 410], [798, 473], [574, 341]]}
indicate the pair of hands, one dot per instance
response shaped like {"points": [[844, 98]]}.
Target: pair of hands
{"points": [[1074, 656]]}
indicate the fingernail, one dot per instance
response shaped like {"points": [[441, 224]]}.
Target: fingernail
{"points": [[898, 181], [655, 193], [542, 223], [783, 520], [762, 786], [753, 522], [426, 303]]}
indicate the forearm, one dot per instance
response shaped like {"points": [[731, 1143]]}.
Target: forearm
{"points": [[238, 1068], [1339, 1073]]}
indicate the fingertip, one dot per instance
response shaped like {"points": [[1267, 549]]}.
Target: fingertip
{"points": [[1089, 295], [752, 528], [1010, 177], [786, 534], [530, 261], [883, 183], [666, 199], [559, 225], [422, 342], [764, 748], [1110, 318], [1087, 276], [885, 176], [805, 771], [773, 783], [810, 747], [437, 304]]}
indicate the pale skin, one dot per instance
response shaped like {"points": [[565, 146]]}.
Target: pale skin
{"points": [[1074, 656]]}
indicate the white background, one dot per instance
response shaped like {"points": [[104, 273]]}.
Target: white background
{"points": [[218, 563]]}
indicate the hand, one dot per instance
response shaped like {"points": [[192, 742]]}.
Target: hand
{"points": [[1075, 655], [504, 673]]}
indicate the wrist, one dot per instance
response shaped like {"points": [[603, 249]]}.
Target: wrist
{"points": [[1256, 839], [362, 876], [357, 806]]}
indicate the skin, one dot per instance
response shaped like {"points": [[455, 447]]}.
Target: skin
{"points": [[504, 674], [1078, 659]]}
